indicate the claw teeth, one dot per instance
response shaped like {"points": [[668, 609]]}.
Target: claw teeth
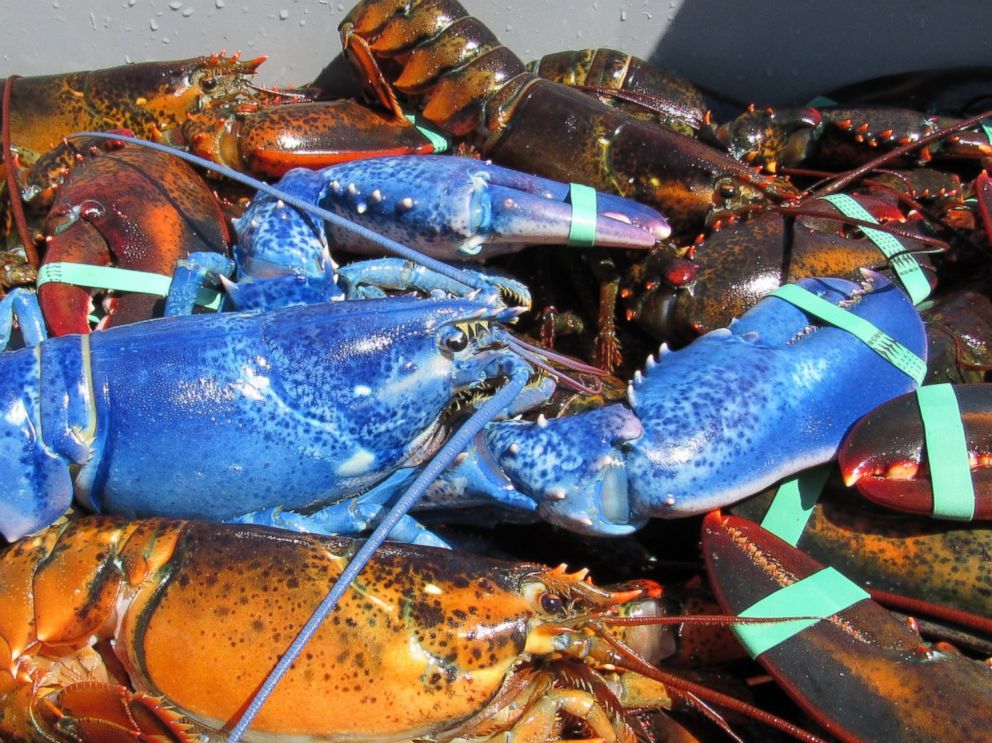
{"points": [[336, 186], [650, 363], [542, 422], [638, 377], [662, 350], [404, 204], [376, 195], [555, 494], [361, 207], [352, 189]]}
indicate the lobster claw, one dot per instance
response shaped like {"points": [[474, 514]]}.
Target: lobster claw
{"points": [[572, 466], [858, 671], [455, 207], [884, 453]]}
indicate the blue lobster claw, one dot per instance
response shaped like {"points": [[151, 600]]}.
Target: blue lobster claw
{"points": [[741, 408], [457, 207], [715, 422]]}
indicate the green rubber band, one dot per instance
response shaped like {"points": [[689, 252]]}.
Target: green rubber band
{"points": [[438, 141], [986, 125], [793, 503], [947, 453], [822, 100], [118, 279], [582, 230], [904, 264], [820, 595], [895, 353]]}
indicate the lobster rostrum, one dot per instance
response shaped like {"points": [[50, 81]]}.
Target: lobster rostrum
{"points": [[429, 644], [469, 85]]}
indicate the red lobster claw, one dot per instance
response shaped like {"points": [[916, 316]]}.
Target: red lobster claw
{"points": [[860, 672]]}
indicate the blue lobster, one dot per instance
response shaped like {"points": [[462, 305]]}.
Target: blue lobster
{"points": [[242, 376]]}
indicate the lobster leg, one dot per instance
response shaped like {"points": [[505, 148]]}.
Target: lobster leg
{"points": [[22, 305], [351, 517]]}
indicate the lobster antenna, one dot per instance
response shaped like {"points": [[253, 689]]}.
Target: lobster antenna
{"points": [[387, 244], [10, 170], [452, 448], [853, 175]]}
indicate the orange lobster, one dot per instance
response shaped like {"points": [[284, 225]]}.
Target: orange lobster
{"points": [[161, 630]]}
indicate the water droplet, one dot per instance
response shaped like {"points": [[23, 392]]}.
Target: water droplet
{"points": [[218, 4], [623, 16], [187, 12], [153, 24], [283, 14], [130, 3], [127, 59], [56, 4], [303, 22], [165, 40], [175, 5]]}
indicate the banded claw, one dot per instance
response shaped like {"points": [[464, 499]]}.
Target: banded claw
{"points": [[884, 453], [456, 207]]}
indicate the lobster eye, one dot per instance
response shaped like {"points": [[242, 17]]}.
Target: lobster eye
{"points": [[208, 84], [727, 190], [452, 340], [551, 603]]}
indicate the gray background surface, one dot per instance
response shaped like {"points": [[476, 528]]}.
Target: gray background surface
{"points": [[771, 52]]}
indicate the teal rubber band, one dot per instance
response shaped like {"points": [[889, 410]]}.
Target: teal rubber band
{"points": [[905, 265], [438, 141], [892, 351], [822, 100], [582, 230], [947, 453], [820, 595], [793, 503], [986, 125], [118, 279]]}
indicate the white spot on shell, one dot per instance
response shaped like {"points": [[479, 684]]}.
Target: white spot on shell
{"points": [[357, 464]]}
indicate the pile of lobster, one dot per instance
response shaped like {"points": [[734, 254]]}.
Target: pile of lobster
{"points": [[204, 401]]}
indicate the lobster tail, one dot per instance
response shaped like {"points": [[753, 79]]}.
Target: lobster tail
{"points": [[463, 75]]}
